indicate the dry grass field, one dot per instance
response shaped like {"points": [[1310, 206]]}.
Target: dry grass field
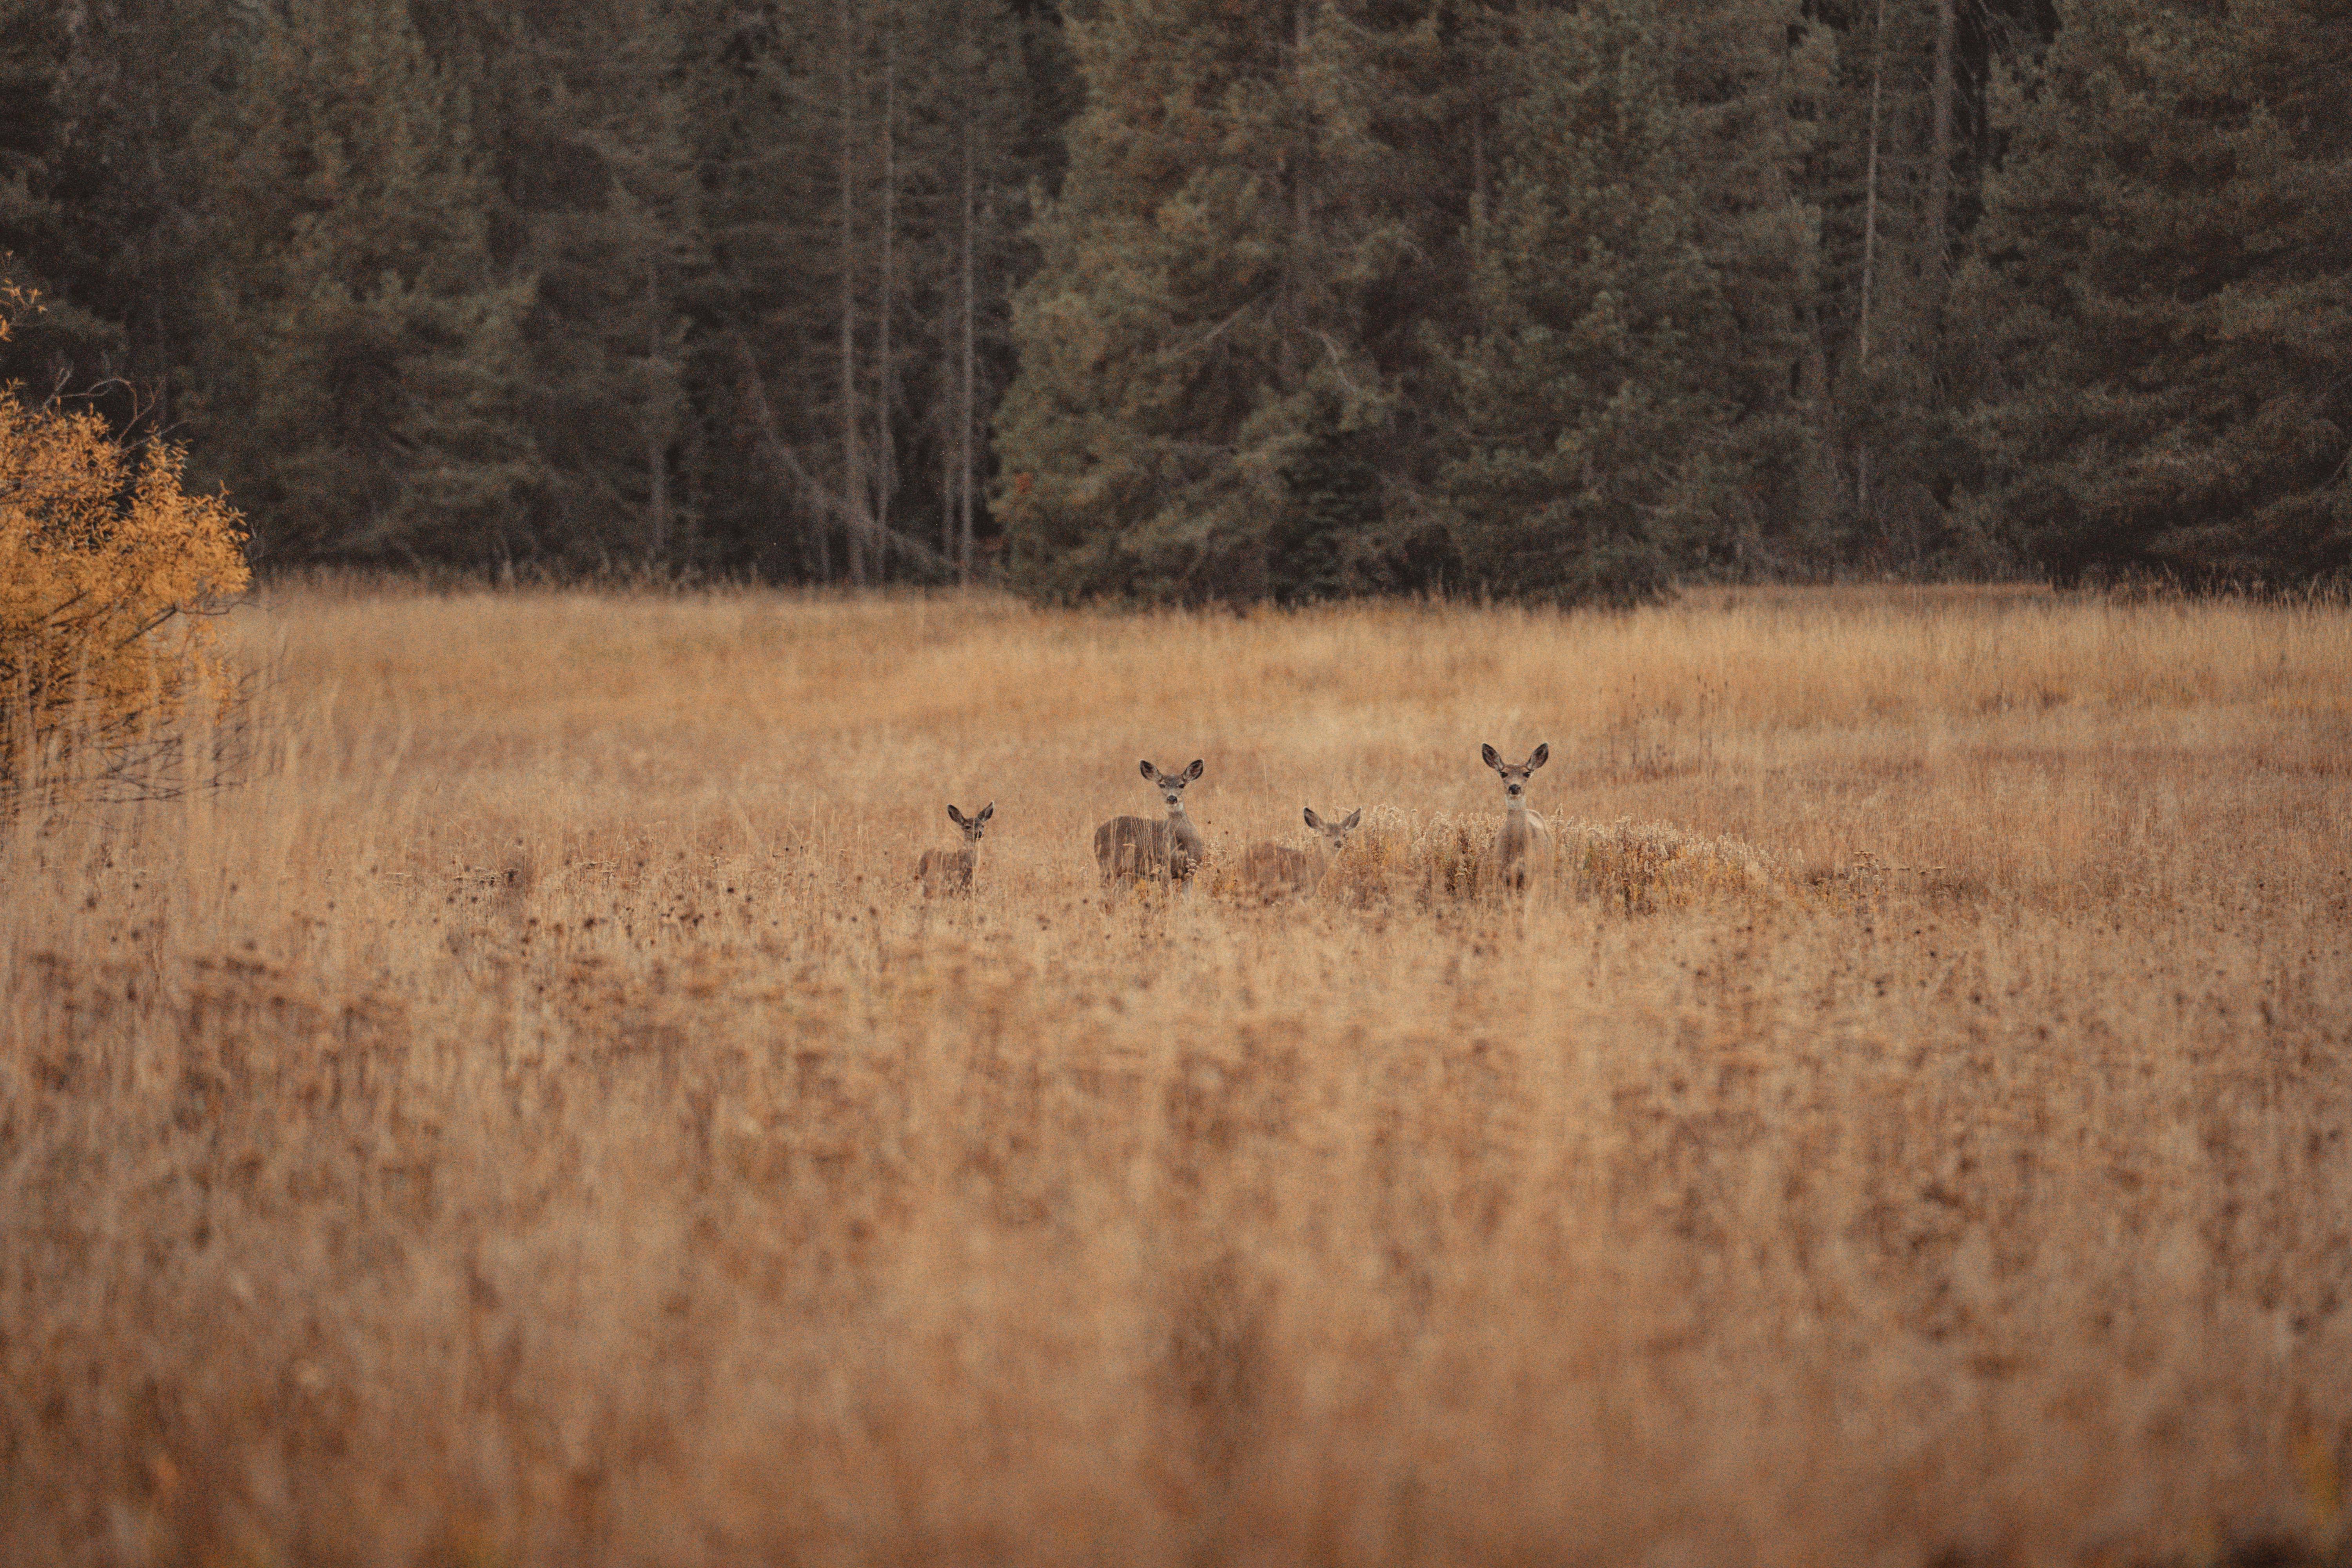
{"points": [[536, 1120]]}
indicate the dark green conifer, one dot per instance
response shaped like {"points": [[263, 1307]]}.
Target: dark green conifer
{"points": [[101, 192], [1590, 409], [360, 365], [2166, 267], [1195, 338], [595, 181]]}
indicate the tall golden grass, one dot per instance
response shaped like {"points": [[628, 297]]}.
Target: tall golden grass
{"points": [[538, 1122]]}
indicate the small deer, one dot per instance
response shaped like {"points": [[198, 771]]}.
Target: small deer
{"points": [[949, 870], [1140, 846], [1522, 833], [1276, 869]]}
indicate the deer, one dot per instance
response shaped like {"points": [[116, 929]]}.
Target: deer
{"points": [[1140, 846], [1523, 833], [949, 870], [1276, 869]]}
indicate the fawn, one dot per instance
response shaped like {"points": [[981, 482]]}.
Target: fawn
{"points": [[1275, 869], [949, 870], [1140, 846]]}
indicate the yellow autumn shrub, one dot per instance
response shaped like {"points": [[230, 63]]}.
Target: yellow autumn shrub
{"points": [[110, 576]]}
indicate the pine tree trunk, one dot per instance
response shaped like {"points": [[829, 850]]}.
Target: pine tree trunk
{"points": [[962, 550], [166, 190], [160, 348], [656, 458], [1939, 155], [1824, 491], [1477, 171], [885, 442], [1869, 251], [852, 475], [1481, 105], [1294, 281], [1870, 194]]}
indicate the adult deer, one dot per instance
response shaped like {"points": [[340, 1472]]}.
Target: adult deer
{"points": [[1166, 850], [1523, 837]]}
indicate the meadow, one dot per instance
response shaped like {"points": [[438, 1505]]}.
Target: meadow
{"points": [[535, 1119]]}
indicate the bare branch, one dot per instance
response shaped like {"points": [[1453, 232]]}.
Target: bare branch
{"points": [[787, 465]]}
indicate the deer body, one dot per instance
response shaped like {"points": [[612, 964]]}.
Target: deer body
{"points": [[949, 870], [1523, 839], [1166, 850], [1275, 871]]}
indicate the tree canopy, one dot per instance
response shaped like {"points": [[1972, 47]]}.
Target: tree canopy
{"points": [[1166, 300]]}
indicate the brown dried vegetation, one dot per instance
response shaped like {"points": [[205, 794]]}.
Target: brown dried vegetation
{"points": [[108, 571], [537, 1123]]}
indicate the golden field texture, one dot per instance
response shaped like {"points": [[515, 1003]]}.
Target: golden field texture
{"points": [[536, 1120]]}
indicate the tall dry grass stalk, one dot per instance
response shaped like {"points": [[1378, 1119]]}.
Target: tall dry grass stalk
{"points": [[537, 1121]]}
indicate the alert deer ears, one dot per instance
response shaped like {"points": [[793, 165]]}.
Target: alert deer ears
{"points": [[1354, 817], [1149, 770], [1314, 821], [1490, 756], [1541, 755], [957, 816], [986, 812], [1194, 771]]}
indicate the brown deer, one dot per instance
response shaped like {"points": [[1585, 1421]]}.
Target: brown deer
{"points": [[1140, 846], [1523, 836], [1275, 871], [949, 870]]}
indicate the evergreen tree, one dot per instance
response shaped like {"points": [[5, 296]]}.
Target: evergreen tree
{"points": [[2165, 263], [33, 42], [1896, 106], [360, 364], [865, 169], [1236, 377], [585, 127], [1749, 77], [1196, 335], [1590, 400], [101, 200], [732, 284], [1875, 418]]}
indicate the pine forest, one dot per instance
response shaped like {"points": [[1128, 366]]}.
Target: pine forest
{"points": [[1197, 301]]}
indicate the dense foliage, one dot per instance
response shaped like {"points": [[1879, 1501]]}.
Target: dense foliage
{"points": [[108, 569], [1166, 299], [2168, 270]]}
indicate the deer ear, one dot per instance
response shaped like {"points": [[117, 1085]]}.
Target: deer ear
{"points": [[986, 812], [1312, 820], [1354, 817], [1194, 771], [1491, 757], [1149, 770], [1542, 755], [954, 816]]}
